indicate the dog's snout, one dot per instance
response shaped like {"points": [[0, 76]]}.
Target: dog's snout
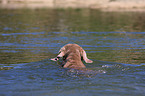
{"points": [[57, 58]]}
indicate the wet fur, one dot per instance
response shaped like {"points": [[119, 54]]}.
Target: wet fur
{"points": [[72, 54]]}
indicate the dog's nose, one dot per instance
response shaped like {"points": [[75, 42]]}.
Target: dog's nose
{"points": [[57, 58]]}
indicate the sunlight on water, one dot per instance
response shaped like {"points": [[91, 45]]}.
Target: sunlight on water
{"points": [[113, 40]]}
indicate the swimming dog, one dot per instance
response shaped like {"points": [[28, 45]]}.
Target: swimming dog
{"points": [[71, 55]]}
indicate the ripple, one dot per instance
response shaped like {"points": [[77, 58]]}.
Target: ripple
{"points": [[9, 34]]}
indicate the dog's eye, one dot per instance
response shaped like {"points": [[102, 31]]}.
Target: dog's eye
{"points": [[57, 57]]}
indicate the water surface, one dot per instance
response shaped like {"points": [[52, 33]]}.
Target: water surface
{"points": [[113, 40]]}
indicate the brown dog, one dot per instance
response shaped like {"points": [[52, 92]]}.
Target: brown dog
{"points": [[71, 54]]}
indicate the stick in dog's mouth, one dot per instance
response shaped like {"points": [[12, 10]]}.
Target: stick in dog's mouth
{"points": [[71, 54]]}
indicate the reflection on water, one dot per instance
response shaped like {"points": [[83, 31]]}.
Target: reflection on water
{"points": [[113, 40], [46, 78], [123, 47], [33, 35]]}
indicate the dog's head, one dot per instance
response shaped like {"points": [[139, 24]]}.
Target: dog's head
{"points": [[72, 48]]}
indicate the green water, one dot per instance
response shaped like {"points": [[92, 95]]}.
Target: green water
{"points": [[113, 40]]}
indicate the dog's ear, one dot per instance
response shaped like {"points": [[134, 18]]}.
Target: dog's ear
{"points": [[61, 52], [85, 57]]}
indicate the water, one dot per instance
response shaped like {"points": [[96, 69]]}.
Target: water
{"points": [[114, 41]]}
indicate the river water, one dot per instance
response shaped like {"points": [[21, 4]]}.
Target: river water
{"points": [[115, 41]]}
